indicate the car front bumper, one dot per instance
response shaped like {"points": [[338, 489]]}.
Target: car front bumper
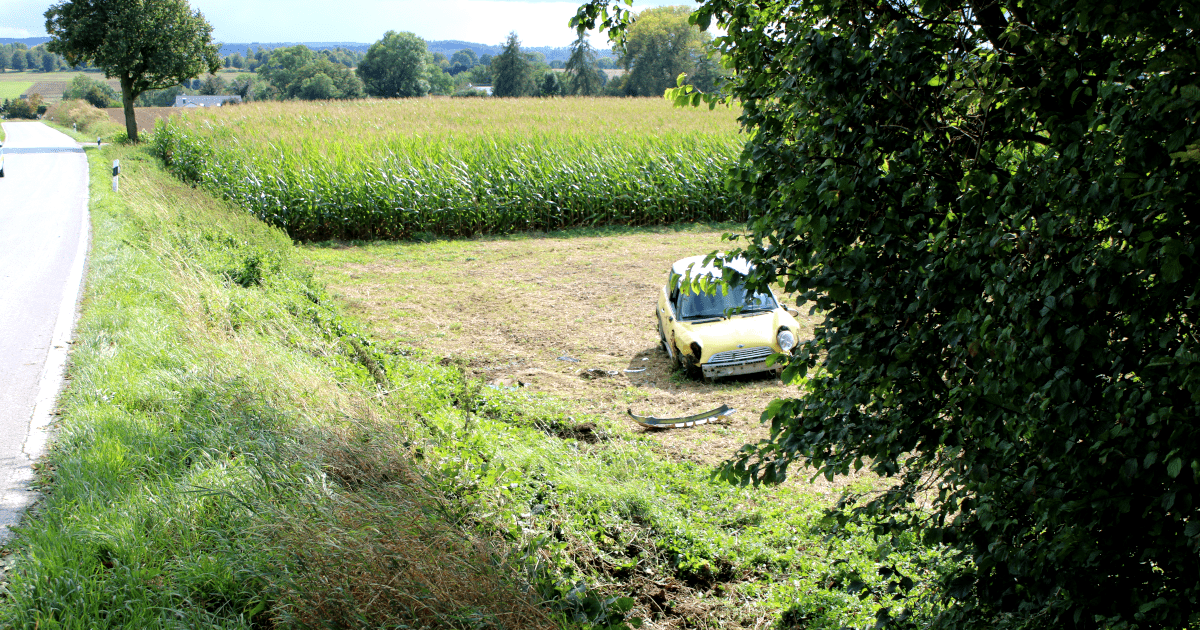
{"points": [[740, 361], [733, 370]]}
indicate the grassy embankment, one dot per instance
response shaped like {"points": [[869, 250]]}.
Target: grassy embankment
{"points": [[460, 167], [218, 461], [234, 451], [82, 121]]}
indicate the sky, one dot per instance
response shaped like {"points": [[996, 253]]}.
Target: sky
{"points": [[536, 22]]}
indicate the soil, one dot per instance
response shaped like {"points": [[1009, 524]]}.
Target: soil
{"points": [[146, 116], [568, 316]]}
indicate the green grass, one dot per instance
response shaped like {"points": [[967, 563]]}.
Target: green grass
{"points": [[233, 452], [13, 89], [460, 167]]}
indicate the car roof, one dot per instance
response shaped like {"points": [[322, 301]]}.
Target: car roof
{"points": [[698, 268]]}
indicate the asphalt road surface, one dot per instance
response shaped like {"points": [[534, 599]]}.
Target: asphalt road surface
{"points": [[43, 245]]}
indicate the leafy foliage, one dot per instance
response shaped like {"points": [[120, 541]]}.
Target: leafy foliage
{"points": [[994, 206], [512, 72], [296, 73], [395, 66], [584, 78], [85, 88], [147, 44], [28, 108], [661, 45], [463, 60]]}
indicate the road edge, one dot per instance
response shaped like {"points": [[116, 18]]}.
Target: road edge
{"points": [[23, 494]]}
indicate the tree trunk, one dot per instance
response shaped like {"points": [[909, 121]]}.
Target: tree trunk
{"points": [[127, 97]]}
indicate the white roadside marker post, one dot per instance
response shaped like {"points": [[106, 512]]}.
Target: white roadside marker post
{"points": [[116, 172]]}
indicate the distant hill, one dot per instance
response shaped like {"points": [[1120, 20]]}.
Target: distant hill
{"points": [[28, 41]]}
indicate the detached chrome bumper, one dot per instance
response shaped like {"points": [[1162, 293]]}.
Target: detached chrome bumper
{"points": [[740, 361]]}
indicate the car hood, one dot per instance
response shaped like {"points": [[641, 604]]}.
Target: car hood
{"points": [[744, 331]]}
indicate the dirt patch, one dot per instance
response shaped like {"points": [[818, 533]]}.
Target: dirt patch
{"points": [[572, 317], [146, 116]]}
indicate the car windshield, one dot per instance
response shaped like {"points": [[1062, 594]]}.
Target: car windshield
{"points": [[702, 305]]}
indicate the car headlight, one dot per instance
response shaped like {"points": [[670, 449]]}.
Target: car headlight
{"points": [[786, 340]]}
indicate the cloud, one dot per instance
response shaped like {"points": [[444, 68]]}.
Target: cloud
{"points": [[23, 18], [17, 33]]}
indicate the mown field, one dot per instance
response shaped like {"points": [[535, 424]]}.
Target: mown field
{"points": [[460, 167], [564, 314], [236, 451]]}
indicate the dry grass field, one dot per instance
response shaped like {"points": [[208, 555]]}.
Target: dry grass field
{"points": [[516, 311], [50, 85], [147, 117]]}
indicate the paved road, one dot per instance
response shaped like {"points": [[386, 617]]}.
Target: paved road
{"points": [[43, 244]]}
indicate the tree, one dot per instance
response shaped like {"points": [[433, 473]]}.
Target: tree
{"points": [[318, 87], [551, 86], [662, 44], [18, 62], [512, 73], [462, 61], [98, 93], [583, 78], [5, 58], [994, 207], [25, 107], [242, 86], [146, 44], [160, 98], [439, 82], [213, 85], [480, 75], [395, 66], [289, 69]]}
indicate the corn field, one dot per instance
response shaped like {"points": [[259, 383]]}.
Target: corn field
{"points": [[460, 167]]}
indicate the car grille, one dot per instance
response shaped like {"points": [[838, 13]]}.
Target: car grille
{"points": [[741, 355]]}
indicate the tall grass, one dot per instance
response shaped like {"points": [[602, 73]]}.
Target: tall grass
{"points": [[83, 118], [397, 169]]}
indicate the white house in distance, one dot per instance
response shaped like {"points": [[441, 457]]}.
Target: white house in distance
{"points": [[192, 100]]}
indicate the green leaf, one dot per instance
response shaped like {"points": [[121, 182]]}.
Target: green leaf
{"points": [[1174, 467], [1074, 338]]}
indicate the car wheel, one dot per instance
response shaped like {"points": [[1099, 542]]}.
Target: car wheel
{"points": [[693, 369]]}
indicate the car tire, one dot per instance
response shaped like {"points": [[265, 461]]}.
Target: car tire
{"points": [[693, 371]]}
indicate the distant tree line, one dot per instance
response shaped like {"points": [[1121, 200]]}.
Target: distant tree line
{"points": [[18, 57], [661, 45], [253, 59]]}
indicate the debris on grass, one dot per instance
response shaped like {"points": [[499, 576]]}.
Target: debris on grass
{"points": [[686, 421]]}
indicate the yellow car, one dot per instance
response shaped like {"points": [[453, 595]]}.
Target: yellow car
{"points": [[732, 331]]}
